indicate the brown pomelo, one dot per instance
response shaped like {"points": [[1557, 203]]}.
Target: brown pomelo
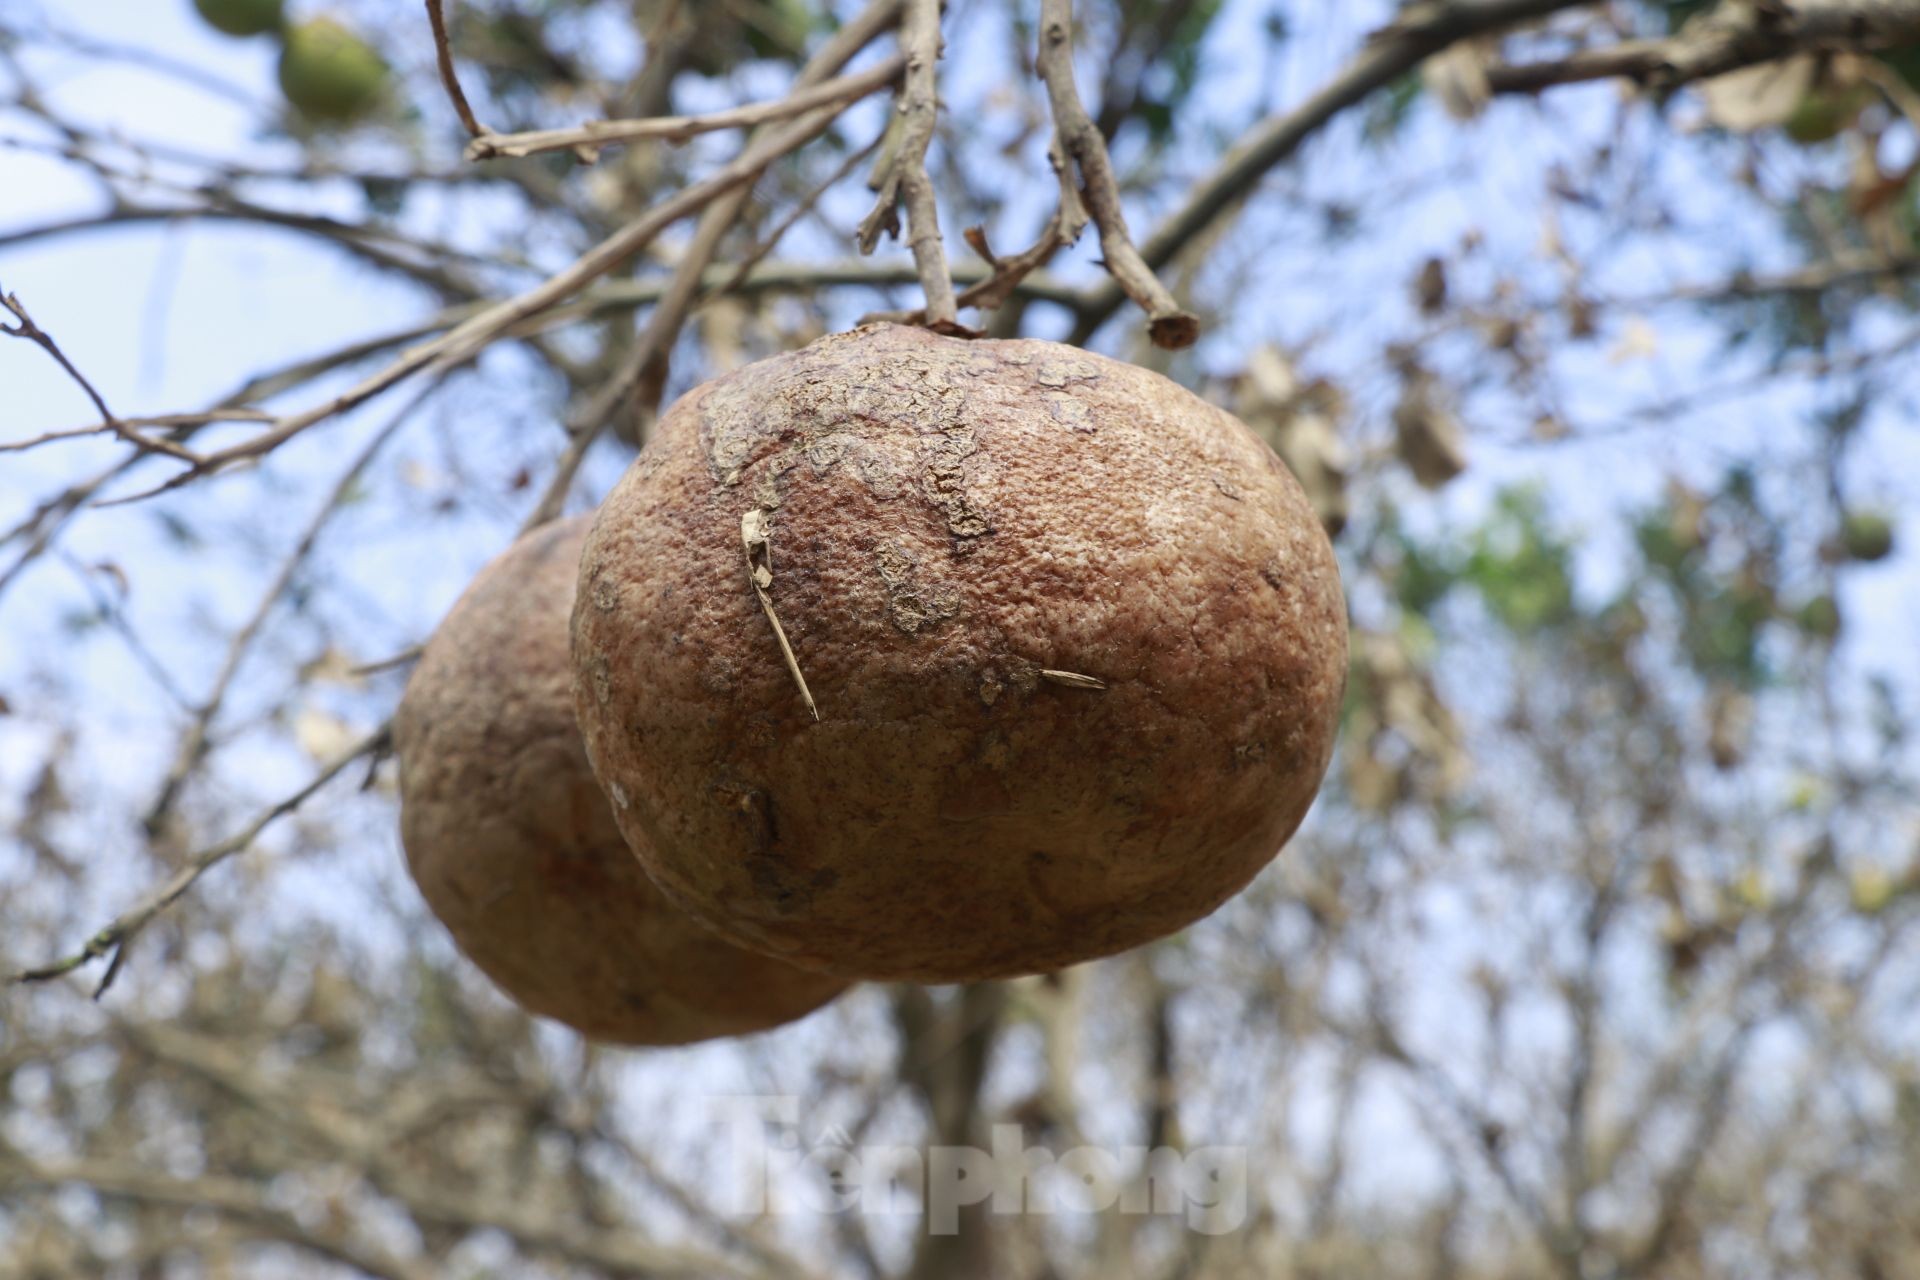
{"points": [[515, 848], [957, 531]]}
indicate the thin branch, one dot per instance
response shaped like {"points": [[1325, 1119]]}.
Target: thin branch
{"points": [[589, 138], [239, 1199], [193, 743], [1170, 326], [467, 339], [1416, 33], [903, 176], [1730, 37], [33, 333], [443, 54], [113, 940], [1008, 276], [169, 420], [746, 271], [645, 364]]}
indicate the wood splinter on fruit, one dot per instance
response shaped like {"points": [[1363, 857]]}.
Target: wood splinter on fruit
{"points": [[1073, 679], [756, 528]]}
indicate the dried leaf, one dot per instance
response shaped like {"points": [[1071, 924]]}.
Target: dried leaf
{"points": [[1759, 97], [321, 734], [1430, 438], [1457, 76], [1298, 422], [1638, 341]]}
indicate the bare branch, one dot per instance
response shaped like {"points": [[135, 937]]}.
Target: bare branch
{"points": [[193, 744], [589, 138], [468, 338], [645, 365], [235, 1198], [1728, 38], [1170, 326], [903, 176], [1009, 276], [33, 333], [170, 420], [113, 940], [1416, 33], [443, 53]]}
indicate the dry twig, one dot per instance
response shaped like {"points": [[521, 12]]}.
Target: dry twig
{"points": [[587, 139], [902, 174], [756, 530], [1170, 325], [1728, 38], [443, 54], [1416, 33], [33, 333], [113, 940]]}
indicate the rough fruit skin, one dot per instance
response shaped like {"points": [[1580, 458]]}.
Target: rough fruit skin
{"points": [[241, 17], [515, 848], [949, 519], [329, 73]]}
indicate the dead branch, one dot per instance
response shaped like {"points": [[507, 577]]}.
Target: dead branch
{"points": [[238, 1199], [1171, 326], [903, 173], [193, 743], [170, 420], [33, 333], [113, 940], [1416, 33], [467, 339], [1008, 276], [1729, 37], [443, 54], [587, 139], [645, 365]]}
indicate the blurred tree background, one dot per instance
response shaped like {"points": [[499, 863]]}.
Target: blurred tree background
{"points": [[1590, 327]]}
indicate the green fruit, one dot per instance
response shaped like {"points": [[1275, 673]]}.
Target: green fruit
{"points": [[330, 74], [1678, 11], [1867, 536], [1870, 889], [779, 29], [1824, 115], [1905, 61], [241, 17], [1820, 617]]}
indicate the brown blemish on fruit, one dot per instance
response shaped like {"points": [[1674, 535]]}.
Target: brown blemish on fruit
{"points": [[912, 604]]}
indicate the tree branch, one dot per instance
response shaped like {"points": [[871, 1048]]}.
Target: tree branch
{"points": [[471, 336], [904, 177], [1728, 38], [443, 54], [1170, 326], [589, 138], [193, 744], [113, 940], [1417, 33], [33, 333]]}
